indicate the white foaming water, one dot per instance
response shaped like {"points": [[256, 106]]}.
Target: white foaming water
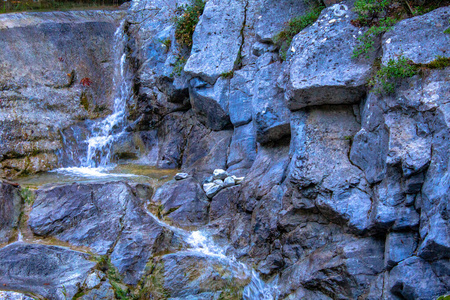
{"points": [[20, 236], [200, 243], [257, 289], [105, 132], [91, 172]]}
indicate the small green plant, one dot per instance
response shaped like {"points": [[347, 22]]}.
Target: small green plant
{"points": [[439, 63], [186, 23], [365, 43], [178, 67], [368, 10], [444, 297], [447, 31], [166, 43], [226, 75], [27, 195], [395, 69], [284, 38]]}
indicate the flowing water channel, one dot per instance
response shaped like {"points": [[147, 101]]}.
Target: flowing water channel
{"points": [[96, 166]]}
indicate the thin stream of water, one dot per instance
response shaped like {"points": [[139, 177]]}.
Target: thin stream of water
{"points": [[104, 133]]}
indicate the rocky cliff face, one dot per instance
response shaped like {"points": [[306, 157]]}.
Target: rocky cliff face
{"points": [[44, 58], [346, 189]]}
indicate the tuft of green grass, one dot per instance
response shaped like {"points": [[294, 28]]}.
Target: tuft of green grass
{"points": [[178, 67], [27, 195], [186, 23], [439, 63], [284, 38], [167, 43], [368, 10], [226, 75], [447, 31], [365, 43], [385, 78]]}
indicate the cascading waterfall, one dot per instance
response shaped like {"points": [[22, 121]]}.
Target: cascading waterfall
{"points": [[104, 133]]}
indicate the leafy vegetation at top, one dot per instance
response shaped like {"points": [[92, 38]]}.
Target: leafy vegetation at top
{"points": [[381, 15], [48, 5], [368, 10], [284, 38], [27, 195], [186, 23], [385, 79]]}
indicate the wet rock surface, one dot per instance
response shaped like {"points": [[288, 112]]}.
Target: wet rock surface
{"points": [[40, 90], [340, 192]]}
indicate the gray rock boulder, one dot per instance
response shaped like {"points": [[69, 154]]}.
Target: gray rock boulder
{"points": [[399, 246], [48, 271], [414, 279], [181, 176], [322, 70], [210, 102], [142, 236], [183, 203], [229, 181], [270, 114], [409, 37], [81, 214], [10, 208], [217, 40], [320, 172], [220, 174], [211, 189]]}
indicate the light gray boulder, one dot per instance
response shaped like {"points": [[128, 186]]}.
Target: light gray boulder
{"points": [[229, 181], [220, 174], [181, 176], [420, 39], [322, 70], [211, 189], [217, 40]]}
